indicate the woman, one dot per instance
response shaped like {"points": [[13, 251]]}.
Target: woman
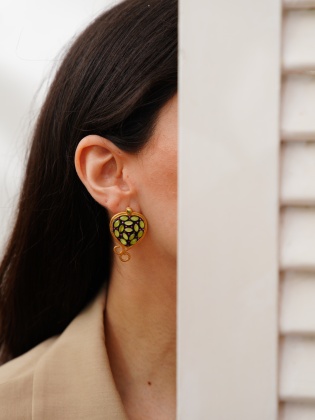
{"points": [[105, 143]]}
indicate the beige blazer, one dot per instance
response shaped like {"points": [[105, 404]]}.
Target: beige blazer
{"points": [[65, 377]]}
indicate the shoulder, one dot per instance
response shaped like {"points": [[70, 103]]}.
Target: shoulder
{"points": [[16, 382], [25, 364], [67, 376]]}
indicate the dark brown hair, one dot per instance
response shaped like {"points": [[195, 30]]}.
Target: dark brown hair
{"points": [[112, 82]]}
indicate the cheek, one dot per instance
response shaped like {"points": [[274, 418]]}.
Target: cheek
{"points": [[160, 171], [158, 198]]}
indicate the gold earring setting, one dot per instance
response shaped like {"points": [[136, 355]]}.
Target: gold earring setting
{"points": [[128, 228]]}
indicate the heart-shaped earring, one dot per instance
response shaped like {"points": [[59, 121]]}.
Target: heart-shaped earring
{"points": [[128, 228]]}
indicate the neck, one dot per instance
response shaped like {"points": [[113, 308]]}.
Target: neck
{"points": [[140, 329]]}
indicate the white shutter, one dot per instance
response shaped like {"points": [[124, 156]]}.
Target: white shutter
{"points": [[297, 214], [299, 4], [297, 173]]}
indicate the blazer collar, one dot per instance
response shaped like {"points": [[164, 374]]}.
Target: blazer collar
{"points": [[73, 380]]}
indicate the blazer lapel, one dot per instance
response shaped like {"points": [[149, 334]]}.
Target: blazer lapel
{"points": [[74, 380]]}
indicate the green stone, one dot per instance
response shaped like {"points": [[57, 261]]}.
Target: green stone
{"points": [[134, 218], [133, 241], [136, 228], [116, 233], [128, 230], [141, 224], [125, 236], [132, 236], [121, 228], [123, 218], [129, 223], [123, 241], [116, 224], [140, 234]]}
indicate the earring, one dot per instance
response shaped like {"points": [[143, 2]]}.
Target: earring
{"points": [[128, 228]]}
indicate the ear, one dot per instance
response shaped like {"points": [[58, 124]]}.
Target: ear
{"points": [[100, 166]]}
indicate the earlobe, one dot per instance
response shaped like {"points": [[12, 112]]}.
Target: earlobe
{"points": [[100, 166]]}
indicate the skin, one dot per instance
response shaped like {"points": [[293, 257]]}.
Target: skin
{"points": [[140, 316]]}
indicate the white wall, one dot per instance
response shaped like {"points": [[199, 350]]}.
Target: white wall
{"points": [[32, 33]]}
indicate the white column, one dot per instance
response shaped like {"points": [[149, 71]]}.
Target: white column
{"points": [[228, 209]]}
